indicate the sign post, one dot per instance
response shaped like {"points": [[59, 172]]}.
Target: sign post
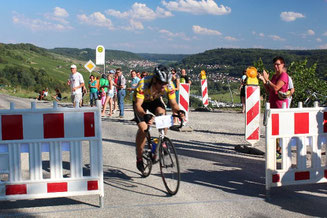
{"points": [[100, 57]]}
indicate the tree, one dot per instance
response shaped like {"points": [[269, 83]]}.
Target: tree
{"points": [[306, 82]]}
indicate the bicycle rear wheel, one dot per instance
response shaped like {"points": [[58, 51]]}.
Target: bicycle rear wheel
{"points": [[147, 159], [169, 166]]}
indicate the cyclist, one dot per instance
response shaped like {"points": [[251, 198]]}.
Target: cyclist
{"points": [[148, 96]]}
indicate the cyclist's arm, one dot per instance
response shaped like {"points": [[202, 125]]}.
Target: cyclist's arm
{"points": [[174, 105], [138, 107]]}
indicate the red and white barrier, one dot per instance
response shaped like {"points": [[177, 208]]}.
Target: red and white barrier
{"points": [[184, 98], [252, 119], [51, 131], [302, 135], [204, 89]]}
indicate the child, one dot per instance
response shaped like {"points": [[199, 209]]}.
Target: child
{"points": [[103, 96]]}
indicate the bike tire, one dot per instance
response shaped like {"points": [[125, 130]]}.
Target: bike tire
{"points": [[147, 158], [169, 166]]}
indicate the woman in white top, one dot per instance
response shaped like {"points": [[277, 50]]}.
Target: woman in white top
{"points": [[110, 95]]}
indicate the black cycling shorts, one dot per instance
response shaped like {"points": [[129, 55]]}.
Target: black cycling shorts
{"points": [[151, 106]]}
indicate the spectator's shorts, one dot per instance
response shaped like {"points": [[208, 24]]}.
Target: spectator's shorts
{"points": [[151, 106], [77, 98]]}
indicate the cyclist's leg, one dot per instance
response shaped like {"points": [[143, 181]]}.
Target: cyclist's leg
{"points": [[140, 139]]}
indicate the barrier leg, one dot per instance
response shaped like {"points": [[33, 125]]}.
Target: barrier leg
{"points": [[101, 202]]}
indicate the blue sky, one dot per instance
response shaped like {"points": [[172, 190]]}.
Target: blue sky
{"points": [[168, 26]]}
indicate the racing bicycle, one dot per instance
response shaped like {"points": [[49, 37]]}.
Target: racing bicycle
{"points": [[164, 153]]}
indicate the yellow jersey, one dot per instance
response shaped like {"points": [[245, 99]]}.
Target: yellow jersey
{"points": [[144, 90]]}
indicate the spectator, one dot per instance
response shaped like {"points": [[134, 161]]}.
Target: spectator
{"points": [[184, 78], [291, 90], [242, 90], [76, 82], [41, 95], [93, 91], [110, 94], [84, 92], [278, 83], [103, 96], [98, 86], [45, 93], [144, 74], [57, 96], [121, 86], [104, 84], [135, 81], [115, 99], [176, 80], [138, 74]]}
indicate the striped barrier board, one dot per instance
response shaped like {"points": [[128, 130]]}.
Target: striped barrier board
{"points": [[37, 145], [204, 90], [252, 118], [184, 99], [302, 135]]}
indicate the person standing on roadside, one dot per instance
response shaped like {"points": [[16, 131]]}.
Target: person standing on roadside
{"points": [[135, 81], [242, 90], [76, 83], [93, 91], [274, 87], [278, 83], [121, 93], [184, 78]]}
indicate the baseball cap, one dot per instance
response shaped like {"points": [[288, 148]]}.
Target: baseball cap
{"points": [[73, 66], [112, 71]]}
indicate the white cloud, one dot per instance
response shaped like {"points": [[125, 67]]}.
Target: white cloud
{"points": [[197, 7], [59, 14], [134, 25], [310, 32], [276, 38], [171, 35], [258, 34], [96, 19], [318, 40], [205, 31], [230, 38], [118, 14], [139, 12], [290, 16], [324, 34], [323, 46], [38, 24]]}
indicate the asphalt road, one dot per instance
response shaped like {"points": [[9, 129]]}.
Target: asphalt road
{"points": [[217, 181]]}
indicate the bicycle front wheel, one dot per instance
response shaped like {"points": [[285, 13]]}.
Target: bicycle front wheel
{"points": [[169, 166]]}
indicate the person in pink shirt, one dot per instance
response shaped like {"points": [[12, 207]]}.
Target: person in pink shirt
{"points": [[277, 84]]}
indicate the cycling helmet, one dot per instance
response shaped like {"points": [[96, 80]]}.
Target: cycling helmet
{"points": [[162, 74]]}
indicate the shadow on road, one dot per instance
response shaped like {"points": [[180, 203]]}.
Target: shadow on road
{"points": [[245, 176], [238, 173], [115, 177]]}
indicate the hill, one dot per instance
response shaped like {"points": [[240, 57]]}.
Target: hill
{"points": [[34, 68], [233, 61], [166, 59]]}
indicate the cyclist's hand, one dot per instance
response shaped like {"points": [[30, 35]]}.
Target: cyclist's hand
{"points": [[181, 114], [148, 118]]}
